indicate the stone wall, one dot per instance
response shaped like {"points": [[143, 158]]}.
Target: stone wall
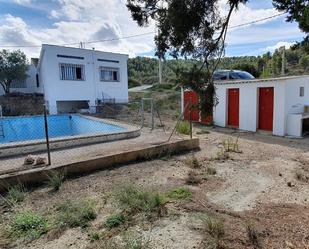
{"points": [[22, 104]]}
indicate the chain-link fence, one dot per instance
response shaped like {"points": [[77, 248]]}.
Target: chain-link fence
{"points": [[28, 141]]}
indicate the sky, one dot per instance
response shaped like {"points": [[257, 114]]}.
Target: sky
{"points": [[26, 24]]}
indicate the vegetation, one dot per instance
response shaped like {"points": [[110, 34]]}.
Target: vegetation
{"points": [[181, 193], [75, 214], [28, 225], [193, 162], [211, 171], [193, 178], [253, 235], [55, 180], [13, 67], [230, 145], [136, 200], [114, 220], [16, 194], [183, 127]]}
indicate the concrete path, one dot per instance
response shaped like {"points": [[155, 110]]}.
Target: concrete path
{"points": [[140, 88]]}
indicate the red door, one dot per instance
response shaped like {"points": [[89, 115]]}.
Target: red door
{"points": [[190, 95], [266, 108], [233, 107]]}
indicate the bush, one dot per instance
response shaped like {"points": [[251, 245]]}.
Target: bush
{"points": [[16, 194], [180, 194], [213, 226], [211, 171], [193, 178], [193, 162], [55, 180], [28, 225], [183, 127], [134, 200], [133, 82], [75, 214], [114, 220]]}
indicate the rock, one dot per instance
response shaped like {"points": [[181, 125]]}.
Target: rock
{"points": [[290, 184], [40, 161], [29, 160], [280, 174]]}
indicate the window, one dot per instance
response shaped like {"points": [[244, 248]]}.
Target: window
{"points": [[109, 74], [19, 84], [37, 80], [301, 91], [105, 60], [71, 72], [70, 56]]}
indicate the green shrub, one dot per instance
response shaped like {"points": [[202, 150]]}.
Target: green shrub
{"points": [[115, 220], [16, 194], [193, 162], [55, 180], [181, 193], [75, 214], [28, 225], [183, 127], [133, 82], [134, 200], [213, 226]]}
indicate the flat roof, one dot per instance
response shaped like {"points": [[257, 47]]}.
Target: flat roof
{"points": [[226, 82], [88, 49]]}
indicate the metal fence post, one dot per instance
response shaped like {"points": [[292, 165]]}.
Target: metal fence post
{"points": [[152, 115], [142, 113], [46, 135], [190, 117]]}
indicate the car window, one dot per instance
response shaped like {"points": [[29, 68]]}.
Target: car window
{"points": [[240, 75], [220, 76]]}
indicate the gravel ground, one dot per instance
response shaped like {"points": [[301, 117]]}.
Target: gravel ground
{"points": [[256, 185]]}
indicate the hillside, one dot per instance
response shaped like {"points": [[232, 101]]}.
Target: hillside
{"points": [[144, 70]]}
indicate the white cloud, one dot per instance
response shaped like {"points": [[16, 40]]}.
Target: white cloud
{"points": [[279, 45]]}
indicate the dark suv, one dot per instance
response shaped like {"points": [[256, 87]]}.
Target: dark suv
{"points": [[232, 75]]}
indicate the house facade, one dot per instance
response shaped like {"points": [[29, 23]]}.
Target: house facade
{"points": [[75, 78], [275, 105]]}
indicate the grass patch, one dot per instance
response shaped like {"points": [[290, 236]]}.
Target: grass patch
{"points": [[55, 180], [28, 225], [114, 220], [253, 235], [213, 226], [75, 214], [183, 127], [211, 171], [134, 200], [16, 194], [193, 162], [222, 155], [230, 145], [134, 241], [181, 193], [193, 178]]}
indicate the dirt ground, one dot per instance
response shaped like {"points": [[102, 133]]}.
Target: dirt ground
{"points": [[256, 185]]}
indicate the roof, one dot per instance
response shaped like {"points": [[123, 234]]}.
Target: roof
{"points": [[87, 49], [277, 79]]}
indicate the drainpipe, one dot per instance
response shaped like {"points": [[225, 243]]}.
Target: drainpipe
{"points": [[94, 78]]}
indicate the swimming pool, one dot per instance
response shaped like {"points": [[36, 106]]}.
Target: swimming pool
{"points": [[18, 129]]}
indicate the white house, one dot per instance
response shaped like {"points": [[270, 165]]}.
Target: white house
{"points": [[75, 78], [277, 105]]}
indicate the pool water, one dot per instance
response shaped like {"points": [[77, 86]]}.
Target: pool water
{"points": [[30, 128]]}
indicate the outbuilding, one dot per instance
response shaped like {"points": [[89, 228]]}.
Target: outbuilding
{"points": [[278, 105]]}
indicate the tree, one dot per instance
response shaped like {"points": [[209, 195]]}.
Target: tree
{"points": [[13, 66], [304, 61], [298, 10], [189, 29]]}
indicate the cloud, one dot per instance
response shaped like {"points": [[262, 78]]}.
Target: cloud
{"points": [[279, 45]]}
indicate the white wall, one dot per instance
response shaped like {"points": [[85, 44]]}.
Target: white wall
{"points": [[87, 90], [248, 105]]}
